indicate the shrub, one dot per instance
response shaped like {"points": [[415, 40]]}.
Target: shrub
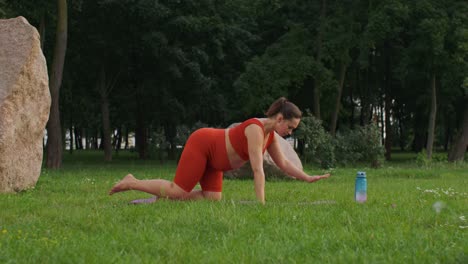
{"points": [[158, 145], [318, 144], [362, 144], [423, 161]]}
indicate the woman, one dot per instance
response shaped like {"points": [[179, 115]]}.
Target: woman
{"points": [[209, 151]]}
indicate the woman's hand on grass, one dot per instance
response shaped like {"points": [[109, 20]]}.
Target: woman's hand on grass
{"points": [[318, 177]]}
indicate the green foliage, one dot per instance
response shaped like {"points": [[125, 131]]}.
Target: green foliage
{"points": [[437, 158], [285, 65], [362, 144], [3, 9], [158, 145], [422, 159], [176, 62], [319, 145]]}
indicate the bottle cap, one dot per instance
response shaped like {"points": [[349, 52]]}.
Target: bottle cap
{"points": [[361, 174]]}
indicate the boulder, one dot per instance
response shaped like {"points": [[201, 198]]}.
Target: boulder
{"points": [[269, 166], [24, 104]]}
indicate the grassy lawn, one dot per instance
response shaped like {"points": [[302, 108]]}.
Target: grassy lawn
{"points": [[413, 215]]}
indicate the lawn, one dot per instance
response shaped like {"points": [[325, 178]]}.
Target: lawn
{"points": [[413, 215]]}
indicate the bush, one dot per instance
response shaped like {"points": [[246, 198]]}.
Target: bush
{"points": [[318, 144], [158, 145], [423, 161], [362, 144]]}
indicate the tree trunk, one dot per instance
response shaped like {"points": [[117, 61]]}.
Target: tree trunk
{"points": [[106, 133], [351, 96], [388, 128], [382, 120], [318, 57], [432, 118], [388, 103], [85, 134], [448, 130], [170, 131], [118, 141], [54, 130], [401, 132], [126, 138], [366, 110], [460, 145], [114, 136], [96, 140], [334, 118], [71, 138], [141, 136], [78, 138]]}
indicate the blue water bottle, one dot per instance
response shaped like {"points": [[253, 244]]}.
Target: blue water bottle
{"points": [[360, 192]]}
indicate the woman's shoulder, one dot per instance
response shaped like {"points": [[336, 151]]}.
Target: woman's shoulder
{"points": [[256, 121]]}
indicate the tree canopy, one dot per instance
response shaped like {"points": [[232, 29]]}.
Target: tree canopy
{"points": [[140, 66]]}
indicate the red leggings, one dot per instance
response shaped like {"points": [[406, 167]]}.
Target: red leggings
{"points": [[203, 160]]}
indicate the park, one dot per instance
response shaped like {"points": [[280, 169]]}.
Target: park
{"points": [[91, 91]]}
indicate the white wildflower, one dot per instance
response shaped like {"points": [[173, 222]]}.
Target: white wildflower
{"points": [[438, 206]]}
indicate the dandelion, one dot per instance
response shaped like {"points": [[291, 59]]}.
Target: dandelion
{"points": [[438, 206], [4, 231]]}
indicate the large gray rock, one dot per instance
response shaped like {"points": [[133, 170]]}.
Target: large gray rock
{"points": [[24, 104], [269, 166]]}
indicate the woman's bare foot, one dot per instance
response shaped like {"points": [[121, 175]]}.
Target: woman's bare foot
{"points": [[123, 185]]}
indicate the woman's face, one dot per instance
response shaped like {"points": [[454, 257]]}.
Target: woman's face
{"points": [[285, 127]]}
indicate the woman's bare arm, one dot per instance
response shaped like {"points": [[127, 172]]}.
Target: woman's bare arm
{"points": [[255, 139], [290, 169]]}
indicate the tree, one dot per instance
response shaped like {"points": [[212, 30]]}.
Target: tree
{"points": [[105, 87], [341, 39], [282, 69], [460, 144], [458, 79], [318, 56], [54, 129], [428, 54], [383, 35], [179, 62]]}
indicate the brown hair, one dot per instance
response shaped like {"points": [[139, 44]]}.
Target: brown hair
{"points": [[285, 107]]}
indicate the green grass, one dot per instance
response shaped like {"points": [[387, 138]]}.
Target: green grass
{"points": [[69, 218]]}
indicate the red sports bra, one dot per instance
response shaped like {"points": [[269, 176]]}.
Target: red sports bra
{"points": [[239, 140]]}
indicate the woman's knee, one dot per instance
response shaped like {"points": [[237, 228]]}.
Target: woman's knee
{"points": [[215, 196], [175, 192]]}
